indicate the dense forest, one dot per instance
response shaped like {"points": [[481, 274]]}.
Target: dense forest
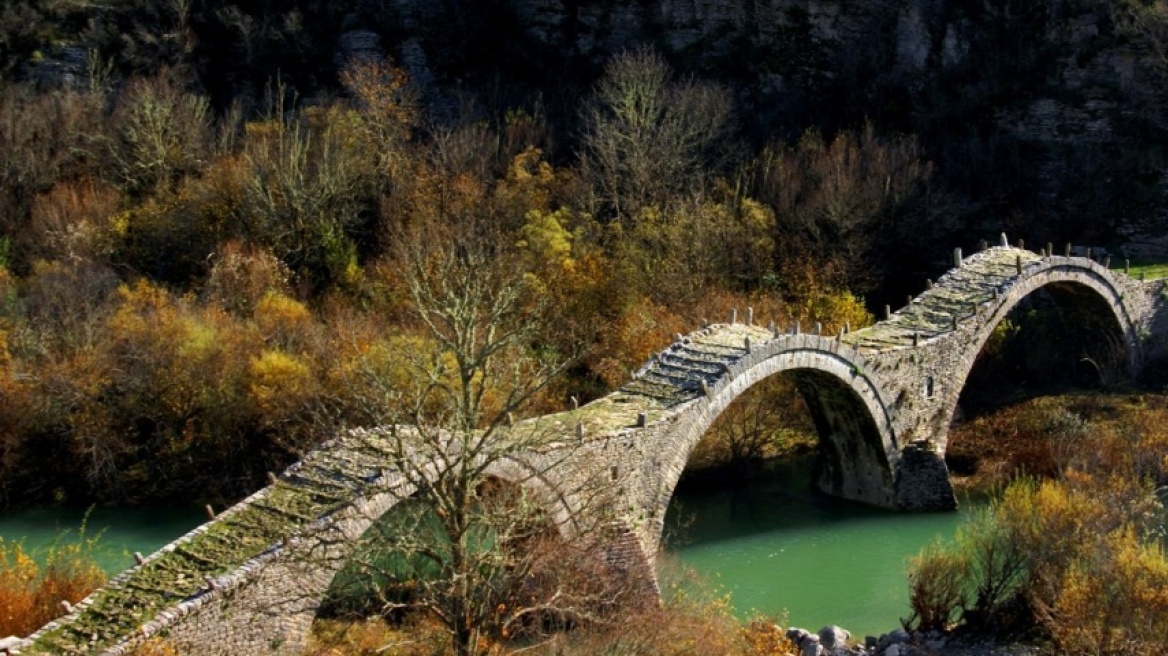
{"points": [[206, 206]]}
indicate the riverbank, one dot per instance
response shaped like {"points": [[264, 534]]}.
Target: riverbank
{"points": [[837, 641]]}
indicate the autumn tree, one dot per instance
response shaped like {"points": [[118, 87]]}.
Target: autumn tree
{"points": [[850, 204], [162, 132], [387, 107], [469, 549], [308, 190]]}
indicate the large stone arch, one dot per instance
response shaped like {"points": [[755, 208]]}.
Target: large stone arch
{"points": [[1076, 284], [851, 411]]}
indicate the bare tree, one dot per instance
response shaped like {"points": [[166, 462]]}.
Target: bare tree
{"points": [[163, 133], [308, 182], [481, 553], [650, 136]]}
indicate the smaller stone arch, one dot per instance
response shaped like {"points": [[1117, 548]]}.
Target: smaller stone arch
{"points": [[364, 511], [268, 604], [1072, 281]]}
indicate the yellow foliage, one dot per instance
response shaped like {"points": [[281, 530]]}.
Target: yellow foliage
{"points": [[529, 167], [936, 584], [119, 224], [834, 309], [765, 638], [1116, 602], [529, 184], [279, 383], [279, 315], [390, 370], [374, 637], [181, 352], [545, 237]]}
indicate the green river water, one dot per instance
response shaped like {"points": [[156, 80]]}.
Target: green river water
{"points": [[778, 546], [775, 546], [121, 531]]}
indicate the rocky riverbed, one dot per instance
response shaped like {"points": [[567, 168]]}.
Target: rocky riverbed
{"points": [[836, 641]]}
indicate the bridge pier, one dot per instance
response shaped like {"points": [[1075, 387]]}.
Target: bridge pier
{"points": [[921, 480]]}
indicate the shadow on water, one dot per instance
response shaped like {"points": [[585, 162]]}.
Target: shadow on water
{"points": [[780, 496]]}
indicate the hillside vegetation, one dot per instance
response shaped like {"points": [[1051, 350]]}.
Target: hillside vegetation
{"points": [[203, 204]]}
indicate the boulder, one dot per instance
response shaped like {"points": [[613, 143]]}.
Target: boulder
{"points": [[832, 637], [899, 636], [809, 645]]}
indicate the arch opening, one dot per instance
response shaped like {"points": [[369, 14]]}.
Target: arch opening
{"points": [[1062, 337], [795, 411], [772, 534], [767, 422], [804, 425], [852, 461], [510, 572]]}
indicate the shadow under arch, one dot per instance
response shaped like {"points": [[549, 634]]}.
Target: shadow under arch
{"points": [[1088, 336], [852, 416], [408, 548], [529, 552]]}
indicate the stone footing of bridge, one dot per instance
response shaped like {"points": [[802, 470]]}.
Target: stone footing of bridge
{"points": [[921, 480]]}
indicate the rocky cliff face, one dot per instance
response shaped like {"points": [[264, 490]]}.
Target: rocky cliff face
{"points": [[783, 45], [1057, 103], [1055, 77]]}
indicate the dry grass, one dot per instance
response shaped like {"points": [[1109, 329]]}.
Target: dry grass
{"points": [[374, 636], [1038, 437]]}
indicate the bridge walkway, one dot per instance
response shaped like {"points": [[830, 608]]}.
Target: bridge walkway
{"points": [[192, 566]]}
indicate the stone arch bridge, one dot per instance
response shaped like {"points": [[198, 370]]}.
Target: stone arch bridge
{"points": [[882, 399]]}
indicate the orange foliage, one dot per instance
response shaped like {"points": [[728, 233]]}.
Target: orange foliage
{"points": [[1079, 554], [73, 219], [628, 340], [31, 593], [242, 276]]}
